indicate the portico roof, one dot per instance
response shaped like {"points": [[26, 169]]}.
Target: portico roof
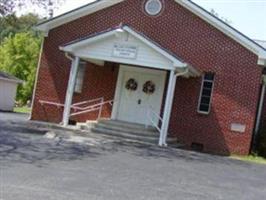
{"points": [[128, 46], [97, 5]]}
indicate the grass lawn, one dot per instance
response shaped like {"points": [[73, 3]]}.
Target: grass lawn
{"points": [[22, 110], [251, 158]]}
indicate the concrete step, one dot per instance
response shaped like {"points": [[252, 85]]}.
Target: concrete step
{"points": [[86, 126], [125, 130], [127, 125], [130, 136], [141, 132]]}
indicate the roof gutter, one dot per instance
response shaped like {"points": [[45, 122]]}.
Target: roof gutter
{"points": [[262, 60], [12, 80]]}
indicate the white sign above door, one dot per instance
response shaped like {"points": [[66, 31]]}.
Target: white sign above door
{"points": [[125, 51]]}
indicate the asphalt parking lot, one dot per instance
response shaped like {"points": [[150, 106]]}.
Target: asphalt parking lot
{"points": [[64, 166]]}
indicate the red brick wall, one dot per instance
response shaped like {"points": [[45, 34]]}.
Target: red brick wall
{"points": [[237, 77], [100, 81]]}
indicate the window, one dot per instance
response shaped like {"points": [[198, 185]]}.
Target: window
{"points": [[153, 7], [80, 77], [206, 93]]}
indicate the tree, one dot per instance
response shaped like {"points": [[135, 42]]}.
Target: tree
{"points": [[8, 6], [19, 57], [11, 24]]}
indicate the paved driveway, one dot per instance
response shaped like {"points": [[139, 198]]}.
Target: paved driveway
{"points": [[8, 116], [68, 167]]}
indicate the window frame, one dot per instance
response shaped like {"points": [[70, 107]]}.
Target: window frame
{"points": [[203, 80]]}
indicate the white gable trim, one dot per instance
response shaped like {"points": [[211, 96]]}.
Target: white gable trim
{"points": [[75, 14], [69, 48], [177, 64], [226, 29], [102, 4]]}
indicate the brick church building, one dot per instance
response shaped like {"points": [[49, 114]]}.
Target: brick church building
{"points": [[163, 63]]}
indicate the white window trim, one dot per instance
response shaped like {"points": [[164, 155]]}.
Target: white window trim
{"points": [[200, 96]]}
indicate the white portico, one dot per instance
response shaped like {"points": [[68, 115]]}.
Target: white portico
{"points": [[142, 74]]}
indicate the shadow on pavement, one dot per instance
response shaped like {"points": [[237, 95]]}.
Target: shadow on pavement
{"points": [[24, 144], [27, 145]]}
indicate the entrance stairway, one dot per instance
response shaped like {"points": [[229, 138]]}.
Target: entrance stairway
{"points": [[127, 131]]}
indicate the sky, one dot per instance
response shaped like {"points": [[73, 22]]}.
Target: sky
{"points": [[247, 16]]}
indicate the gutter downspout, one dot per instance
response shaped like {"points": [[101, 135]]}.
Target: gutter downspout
{"points": [[169, 105], [69, 56], [70, 88], [259, 113], [36, 79]]}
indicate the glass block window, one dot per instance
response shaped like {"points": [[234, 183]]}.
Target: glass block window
{"points": [[206, 93], [80, 77]]}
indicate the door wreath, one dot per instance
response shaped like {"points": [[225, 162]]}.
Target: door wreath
{"points": [[132, 85], [149, 87]]}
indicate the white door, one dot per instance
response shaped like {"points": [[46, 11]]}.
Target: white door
{"points": [[140, 89]]}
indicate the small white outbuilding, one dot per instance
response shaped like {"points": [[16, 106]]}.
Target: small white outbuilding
{"points": [[8, 91]]}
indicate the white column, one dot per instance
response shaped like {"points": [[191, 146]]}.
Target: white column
{"points": [[168, 108], [70, 90], [169, 104]]}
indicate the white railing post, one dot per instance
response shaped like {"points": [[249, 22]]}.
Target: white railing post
{"points": [[70, 90], [147, 120], [101, 108]]}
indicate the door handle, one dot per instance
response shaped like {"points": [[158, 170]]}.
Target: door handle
{"points": [[139, 101]]}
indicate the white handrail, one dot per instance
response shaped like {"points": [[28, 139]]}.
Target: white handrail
{"points": [[150, 114], [74, 106], [78, 110], [88, 107], [92, 108], [79, 106], [51, 103], [86, 102]]}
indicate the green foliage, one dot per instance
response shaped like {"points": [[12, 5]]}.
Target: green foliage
{"points": [[250, 158], [19, 57], [10, 6], [24, 109], [11, 24], [19, 50]]}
